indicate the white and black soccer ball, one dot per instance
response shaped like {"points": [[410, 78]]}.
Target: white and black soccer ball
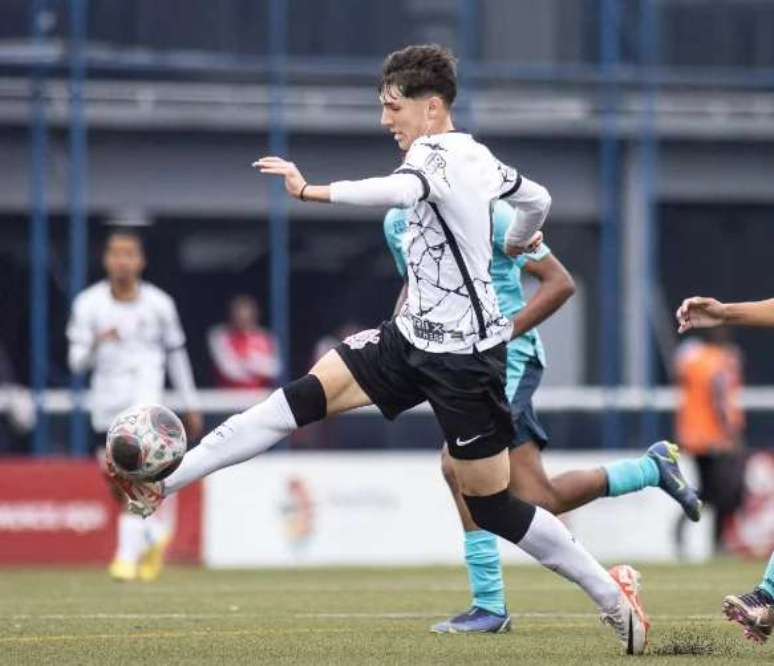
{"points": [[146, 443]]}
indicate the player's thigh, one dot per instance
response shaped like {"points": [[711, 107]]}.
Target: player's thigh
{"points": [[483, 476], [467, 394], [370, 367], [342, 392], [529, 480]]}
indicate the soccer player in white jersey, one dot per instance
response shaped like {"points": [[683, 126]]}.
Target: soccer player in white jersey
{"points": [[126, 331], [753, 610], [525, 362], [447, 344]]}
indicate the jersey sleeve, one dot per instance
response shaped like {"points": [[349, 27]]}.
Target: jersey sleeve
{"points": [[502, 217], [79, 330], [426, 161], [506, 180], [80, 336], [394, 228], [173, 335]]}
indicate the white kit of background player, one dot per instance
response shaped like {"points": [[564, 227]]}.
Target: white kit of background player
{"points": [[127, 333]]}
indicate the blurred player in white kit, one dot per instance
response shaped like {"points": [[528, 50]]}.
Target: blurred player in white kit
{"points": [[125, 331]]}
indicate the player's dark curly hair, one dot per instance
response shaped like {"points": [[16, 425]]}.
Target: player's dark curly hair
{"points": [[421, 70]]}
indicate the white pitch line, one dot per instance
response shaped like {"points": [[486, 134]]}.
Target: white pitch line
{"points": [[329, 616]]}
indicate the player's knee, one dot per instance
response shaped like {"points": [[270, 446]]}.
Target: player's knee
{"points": [[306, 399], [502, 513], [447, 469]]}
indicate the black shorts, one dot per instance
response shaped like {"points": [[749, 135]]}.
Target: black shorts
{"points": [[465, 391], [525, 421]]}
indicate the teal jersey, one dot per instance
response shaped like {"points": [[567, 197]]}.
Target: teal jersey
{"points": [[505, 271]]}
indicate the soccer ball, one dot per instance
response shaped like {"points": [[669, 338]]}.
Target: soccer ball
{"points": [[146, 443]]}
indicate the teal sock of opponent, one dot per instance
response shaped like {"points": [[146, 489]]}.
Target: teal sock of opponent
{"points": [[767, 585], [485, 572], [629, 476]]}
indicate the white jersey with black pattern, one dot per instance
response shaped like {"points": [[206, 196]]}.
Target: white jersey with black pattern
{"points": [[451, 304]]}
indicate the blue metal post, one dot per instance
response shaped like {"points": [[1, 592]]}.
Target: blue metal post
{"points": [[467, 14], [649, 52], [609, 265], [78, 216], [38, 248], [278, 200]]}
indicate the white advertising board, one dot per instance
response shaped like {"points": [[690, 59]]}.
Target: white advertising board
{"points": [[388, 508]]}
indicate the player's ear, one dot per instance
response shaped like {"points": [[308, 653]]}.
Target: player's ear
{"points": [[434, 106]]}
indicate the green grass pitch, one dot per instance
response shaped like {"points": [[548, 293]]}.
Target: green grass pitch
{"points": [[354, 616]]}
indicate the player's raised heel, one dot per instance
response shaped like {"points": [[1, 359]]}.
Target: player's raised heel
{"points": [[474, 621], [122, 571], [754, 611], [628, 619], [666, 455]]}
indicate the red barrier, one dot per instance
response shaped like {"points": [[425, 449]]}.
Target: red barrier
{"points": [[62, 512]]}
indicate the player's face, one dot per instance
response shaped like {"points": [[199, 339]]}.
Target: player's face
{"points": [[124, 259], [406, 119]]}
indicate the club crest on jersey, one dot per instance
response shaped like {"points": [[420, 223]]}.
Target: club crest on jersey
{"points": [[424, 329], [360, 340], [433, 163]]}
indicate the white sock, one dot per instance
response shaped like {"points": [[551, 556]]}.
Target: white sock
{"points": [[551, 544], [155, 530], [239, 438], [131, 538]]}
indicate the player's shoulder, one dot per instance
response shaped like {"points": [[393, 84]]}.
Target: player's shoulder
{"points": [[155, 295], [395, 221], [92, 295]]}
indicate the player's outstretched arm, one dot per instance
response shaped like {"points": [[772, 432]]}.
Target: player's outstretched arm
{"points": [[703, 312], [556, 286], [398, 189]]}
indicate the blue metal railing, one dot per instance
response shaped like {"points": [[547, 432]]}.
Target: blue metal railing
{"points": [[610, 77]]}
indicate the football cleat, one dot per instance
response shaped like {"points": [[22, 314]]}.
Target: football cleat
{"points": [[474, 621], [144, 497], [628, 618], [122, 571], [152, 561], [672, 482], [754, 611]]}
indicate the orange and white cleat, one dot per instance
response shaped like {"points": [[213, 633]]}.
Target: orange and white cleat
{"points": [[628, 619]]}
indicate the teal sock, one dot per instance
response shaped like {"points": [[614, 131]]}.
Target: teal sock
{"points": [[629, 476], [768, 578], [484, 571]]}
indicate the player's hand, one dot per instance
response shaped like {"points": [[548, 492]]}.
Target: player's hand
{"points": [[110, 335], [194, 425], [700, 312], [532, 245], [294, 181]]}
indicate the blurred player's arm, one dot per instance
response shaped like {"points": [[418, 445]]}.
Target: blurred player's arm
{"points": [[82, 342], [180, 372], [701, 312], [397, 189], [556, 287]]}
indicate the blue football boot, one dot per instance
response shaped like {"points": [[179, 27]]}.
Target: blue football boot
{"points": [[474, 621], [672, 482]]}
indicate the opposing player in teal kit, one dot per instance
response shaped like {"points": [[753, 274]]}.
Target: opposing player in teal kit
{"points": [[529, 481]]}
